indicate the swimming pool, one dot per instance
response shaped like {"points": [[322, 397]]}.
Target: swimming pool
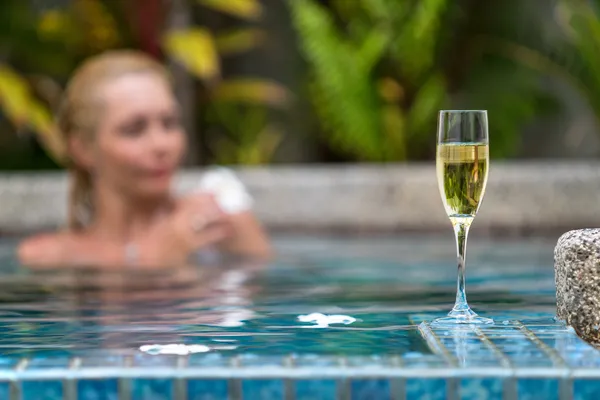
{"points": [[331, 318]]}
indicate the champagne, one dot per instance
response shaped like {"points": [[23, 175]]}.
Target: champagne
{"points": [[462, 170]]}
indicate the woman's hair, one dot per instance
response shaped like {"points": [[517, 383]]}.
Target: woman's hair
{"points": [[81, 110]]}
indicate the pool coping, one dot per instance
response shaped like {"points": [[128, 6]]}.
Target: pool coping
{"points": [[441, 363], [522, 197], [274, 377]]}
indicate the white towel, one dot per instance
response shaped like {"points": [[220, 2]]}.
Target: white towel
{"points": [[230, 193]]}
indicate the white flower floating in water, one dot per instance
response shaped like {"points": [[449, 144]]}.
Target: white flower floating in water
{"points": [[177, 349], [323, 321]]}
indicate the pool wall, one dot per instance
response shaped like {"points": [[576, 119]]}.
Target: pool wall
{"points": [[523, 197], [512, 361]]}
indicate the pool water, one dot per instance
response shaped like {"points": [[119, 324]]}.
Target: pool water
{"points": [[330, 318]]}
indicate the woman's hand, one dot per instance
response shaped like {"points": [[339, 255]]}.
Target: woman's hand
{"points": [[196, 221]]}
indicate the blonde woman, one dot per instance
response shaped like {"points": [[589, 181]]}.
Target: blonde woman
{"points": [[121, 127]]}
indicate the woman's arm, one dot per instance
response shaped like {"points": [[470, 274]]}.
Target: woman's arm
{"points": [[67, 250], [247, 238], [44, 250]]}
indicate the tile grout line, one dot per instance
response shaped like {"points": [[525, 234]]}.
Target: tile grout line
{"points": [[509, 386], [343, 391], [234, 385], [179, 385], [288, 384], [550, 352], [504, 360], [15, 385], [565, 391], [436, 345], [125, 383], [70, 384], [397, 385], [452, 388]]}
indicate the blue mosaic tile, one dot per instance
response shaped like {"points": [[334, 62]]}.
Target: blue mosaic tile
{"points": [[316, 389], [146, 360], [48, 363], [271, 389], [252, 360], [577, 353], [102, 361], [312, 360], [42, 390], [476, 389], [420, 360], [4, 390], [585, 389], [537, 389], [426, 389], [370, 389], [8, 362], [207, 389], [98, 389], [152, 389], [208, 360]]}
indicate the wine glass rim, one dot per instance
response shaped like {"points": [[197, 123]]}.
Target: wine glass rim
{"points": [[462, 111]]}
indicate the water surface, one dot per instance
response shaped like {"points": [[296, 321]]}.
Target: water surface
{"points": [[323, 295]]}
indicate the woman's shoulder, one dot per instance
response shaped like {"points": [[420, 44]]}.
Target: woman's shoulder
{"points": [[44, 249], [229, 191]]}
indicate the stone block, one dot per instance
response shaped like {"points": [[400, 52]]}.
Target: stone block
{"points": [[577, 274]]}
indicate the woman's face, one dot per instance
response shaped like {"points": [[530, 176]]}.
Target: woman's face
{"points": [[139, 141]]}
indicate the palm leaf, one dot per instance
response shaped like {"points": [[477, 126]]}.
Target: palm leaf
{"points": [[252, 91], [343, 93], [576, 61], [246, 9], [194, 48], [415, 44], [238, 41], [25, 111], [14, 95]]}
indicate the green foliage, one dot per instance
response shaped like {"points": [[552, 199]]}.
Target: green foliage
{"points": [[247, 138], [580, 61], [374, 85], [46, 46], [380, 71], [344, 96], [513, 97], [508, 77], [238, 130]]}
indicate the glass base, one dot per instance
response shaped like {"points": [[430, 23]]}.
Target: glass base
{"points": [[461, 317]]}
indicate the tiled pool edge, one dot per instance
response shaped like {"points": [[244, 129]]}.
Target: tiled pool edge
{"points": [[562, 367], [521, 196]]}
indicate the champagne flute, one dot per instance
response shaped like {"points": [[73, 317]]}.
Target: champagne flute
{"points": [[462, 169]]}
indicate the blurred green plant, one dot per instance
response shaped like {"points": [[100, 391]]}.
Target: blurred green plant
{"points": [[381, 69], [575, 58], [483, 77], [375, 84], [46, 46], [24, 110], [237, 108]]}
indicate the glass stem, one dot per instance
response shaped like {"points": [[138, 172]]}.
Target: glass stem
{"points": [[461, 307]]}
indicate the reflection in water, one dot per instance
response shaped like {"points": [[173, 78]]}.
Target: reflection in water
{"points": [[460, 337], [365, 297], [95, 308]]}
